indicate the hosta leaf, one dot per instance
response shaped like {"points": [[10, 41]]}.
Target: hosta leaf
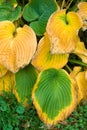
{"points": [[54, 95], [3, 71], [1, 2], [40, 25], [7, 82], [81, 79], [82, 11], [81, 51], [37, 13], [13, 2], [62, 29], [74, 74], [43, 58], [8, 12], [17, 46], [25, 80]]}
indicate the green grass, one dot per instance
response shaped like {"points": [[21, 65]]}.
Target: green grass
{"points": [[13, 116]]}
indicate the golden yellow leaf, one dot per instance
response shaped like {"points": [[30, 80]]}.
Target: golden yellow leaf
{"points": [[43, 58], [73, 75], [82, 6], [7, 82], [81, 51], [17, 46], [62, 29], [7, 29], [3, 71], [82, 83]]}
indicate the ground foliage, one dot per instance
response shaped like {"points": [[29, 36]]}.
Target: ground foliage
{"points": [[14, 116]]}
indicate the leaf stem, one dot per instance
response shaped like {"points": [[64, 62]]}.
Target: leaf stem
{"points": [[77, 62], [63, 2], [69, 69], [69, 4]]}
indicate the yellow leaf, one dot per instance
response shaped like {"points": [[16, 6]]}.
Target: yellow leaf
{"points": [[73, 75], [43, 58], [82, 6], [62, 29], [82, 83], [81, 51], [17, 46], [3, 71], [7, 82]]}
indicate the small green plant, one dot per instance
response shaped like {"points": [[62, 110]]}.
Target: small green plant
{"points": [[77, 120], [13, 116]]}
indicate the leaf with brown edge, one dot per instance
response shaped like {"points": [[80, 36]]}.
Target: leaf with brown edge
{"points": [[17, 46], [43, 59], [54, 96], [82, 11], [82, 6], [62, 29]]}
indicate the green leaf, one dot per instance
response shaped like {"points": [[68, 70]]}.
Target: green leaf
{"points": [[53, 95], [9, 127], [3, 106], [25, 80], [8, 12], [1, 1], [37, 12], [13, 2], [20, 109]]}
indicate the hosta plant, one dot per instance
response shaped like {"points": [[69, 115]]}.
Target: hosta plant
{"points": [[54, 95], [41, 42]]}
